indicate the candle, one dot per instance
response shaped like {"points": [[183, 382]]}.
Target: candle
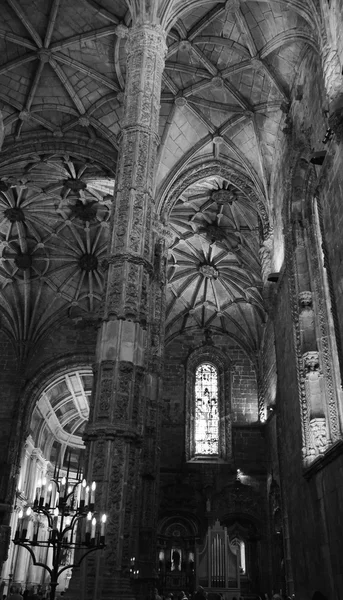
{"points": [[62, 487], [37, 493], [103, 521], [82, 493], [48, 497], [55, 520], [88, 524], [68, 469], [87, 495], [93, 528], [20, 516], [78, 496], [93, 492]]}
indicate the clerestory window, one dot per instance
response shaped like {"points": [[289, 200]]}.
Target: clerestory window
{"points": [[206, 410], [208, 406]]}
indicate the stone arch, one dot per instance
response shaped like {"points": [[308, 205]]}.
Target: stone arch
{"points": [[78, 145], [34, 388], [188, 522], [215, 330], [173, 189], [222, 363], [237, 502]]}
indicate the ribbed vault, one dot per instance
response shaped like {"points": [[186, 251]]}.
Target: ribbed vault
{"points": [[60, 415], [229, 78], [53, 235], [214, 278]]}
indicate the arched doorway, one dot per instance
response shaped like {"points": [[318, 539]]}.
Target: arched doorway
{"points": [[176, 554], [54, 441]]}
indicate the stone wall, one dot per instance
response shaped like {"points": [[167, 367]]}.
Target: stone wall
{"points": [[189, 489], [243, 395], [310, 498]]}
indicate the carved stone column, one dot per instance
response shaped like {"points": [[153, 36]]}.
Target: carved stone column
{"points": [[314, 426], [122, 430], [151, 445]]}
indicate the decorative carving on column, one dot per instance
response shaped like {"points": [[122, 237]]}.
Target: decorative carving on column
{"points": [[294, 295], [325, 345], [122, 433], [311, 363], [319, 435], [318, 401], [265, 254]]}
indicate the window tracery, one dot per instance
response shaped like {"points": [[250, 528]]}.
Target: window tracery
{"points": [[208, 406], [206, 409]]}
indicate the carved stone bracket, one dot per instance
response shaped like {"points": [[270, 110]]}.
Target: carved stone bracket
{"points": [[305, 300], [311, 363]]}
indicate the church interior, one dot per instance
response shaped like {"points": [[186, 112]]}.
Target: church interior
{"points": [[171, 298]]}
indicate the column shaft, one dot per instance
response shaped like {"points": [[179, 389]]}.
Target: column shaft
{"points": [[124, 401]]}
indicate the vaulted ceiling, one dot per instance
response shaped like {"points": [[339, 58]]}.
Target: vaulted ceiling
{"points": [[60, 415], [227, 85]]}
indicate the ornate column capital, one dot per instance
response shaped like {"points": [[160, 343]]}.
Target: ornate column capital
{"points": [[305, 300]]}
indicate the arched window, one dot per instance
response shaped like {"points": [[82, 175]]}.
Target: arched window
{"points": [[240, 544], [208, 406], [206, 410]]}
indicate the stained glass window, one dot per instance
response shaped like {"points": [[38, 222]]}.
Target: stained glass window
{"points": [[206, 409]]}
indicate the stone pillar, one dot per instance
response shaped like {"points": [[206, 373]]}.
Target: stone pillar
{"points": [[148, 513], [122, 431]]}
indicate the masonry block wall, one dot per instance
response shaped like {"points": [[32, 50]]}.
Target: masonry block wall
{"points": [[198, 482], [309, 495]]}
